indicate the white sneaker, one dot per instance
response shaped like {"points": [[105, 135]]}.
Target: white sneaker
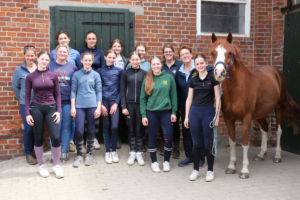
{"points": [[194, 175], [96, 144], [155, 167], [166, 166], [108, 158], [131, 158], [58, 171], [43, 171], [210, 176], [115, 157], [140, 159]]}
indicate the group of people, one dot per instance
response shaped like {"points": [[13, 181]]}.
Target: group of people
{"points": [[65, 88]]}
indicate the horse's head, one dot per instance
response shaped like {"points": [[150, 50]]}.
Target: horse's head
{"points": [[223, 54]]}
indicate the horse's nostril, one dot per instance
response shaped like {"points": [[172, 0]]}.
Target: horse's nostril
{"points": [[223, 73]]}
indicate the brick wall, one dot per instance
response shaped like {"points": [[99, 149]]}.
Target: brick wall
{"points": [[163, 22]]}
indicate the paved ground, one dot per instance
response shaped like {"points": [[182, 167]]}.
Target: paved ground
{"points": [[267, 180]]}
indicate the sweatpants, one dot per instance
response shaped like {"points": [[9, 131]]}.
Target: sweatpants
{"points": [[164, 118], [110, 123], [199, 120], [81, 115], [135, 126], [43, 114]]}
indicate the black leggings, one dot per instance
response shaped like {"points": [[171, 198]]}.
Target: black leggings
{"points": [[135, 126], [41, 114]]}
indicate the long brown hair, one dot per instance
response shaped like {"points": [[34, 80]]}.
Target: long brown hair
{"points": [[196, 57], [149, 83]]}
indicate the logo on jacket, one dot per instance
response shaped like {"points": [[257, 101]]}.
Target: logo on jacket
{"points": [[165, 82], [92, 80], [174, 71]]}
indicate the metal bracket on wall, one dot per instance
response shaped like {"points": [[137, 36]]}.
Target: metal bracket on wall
{"points": [[108, 23], [287, 9]]}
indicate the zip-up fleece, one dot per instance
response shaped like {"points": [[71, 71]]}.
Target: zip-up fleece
{"points": [[143, 65], [131, 84], [86, 88], [110, 76], [163, 95], [99, 60], [44, 84], [18, 82]]}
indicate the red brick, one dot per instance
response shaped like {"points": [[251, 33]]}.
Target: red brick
{"points": [[7, 9]]}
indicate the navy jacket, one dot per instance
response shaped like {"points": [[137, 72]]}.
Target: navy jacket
{"points": [[99, 60], [183, 86], [172, 71], [111, 77]]}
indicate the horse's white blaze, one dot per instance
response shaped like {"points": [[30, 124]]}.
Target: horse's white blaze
{"points": [[232, 155], [278, 148], [264, 142], [245, 159], [221, 57]]}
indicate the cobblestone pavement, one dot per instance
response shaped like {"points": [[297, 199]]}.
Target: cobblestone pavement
{"points": [[267, 180]]}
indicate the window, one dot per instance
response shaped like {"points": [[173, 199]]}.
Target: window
{"points": [[222, 16]]}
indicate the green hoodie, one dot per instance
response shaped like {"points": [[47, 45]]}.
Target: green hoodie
{"points": [[163, 95]]}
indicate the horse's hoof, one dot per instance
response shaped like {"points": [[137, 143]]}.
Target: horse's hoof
{"points": [[244, 175], [230, 171], [277, 160], [259, 158]]}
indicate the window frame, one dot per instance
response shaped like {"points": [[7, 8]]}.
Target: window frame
{"points": [[247, 17]]}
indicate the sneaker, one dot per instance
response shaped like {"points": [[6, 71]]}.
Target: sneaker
{"points": [[115, 157], [209, 176], [131, 158], [64, 157], [43, 171], [51, 158], [161, 152], [194, 175], [77, 162], [201, 164], [88, 159], [166, 166], [140, 159], [72, 147], [108, 158], [185, 162], [58, 171], [96, 144], [176, 154], [155, 167]]}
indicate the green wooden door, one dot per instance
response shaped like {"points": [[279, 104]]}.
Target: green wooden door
{"points": [[291, 70], [108, 24]]}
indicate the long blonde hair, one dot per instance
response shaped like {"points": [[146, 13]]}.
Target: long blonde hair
{"points": [[149, 83]]}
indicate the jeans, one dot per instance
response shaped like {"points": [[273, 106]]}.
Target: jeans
{"points": [[28, 136], [73, 128]]}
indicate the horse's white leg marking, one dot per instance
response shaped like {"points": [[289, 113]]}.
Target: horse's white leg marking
{"points": [[264, 142], [278, 148], [232, 155], [245, 159]]}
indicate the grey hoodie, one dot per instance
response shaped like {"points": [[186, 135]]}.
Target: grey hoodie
{"points": [[18, 82]]}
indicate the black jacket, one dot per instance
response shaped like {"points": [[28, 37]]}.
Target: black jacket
{"points": [[131, 83]]}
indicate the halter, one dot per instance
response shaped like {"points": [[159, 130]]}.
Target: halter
{"points": [[226, 68]]}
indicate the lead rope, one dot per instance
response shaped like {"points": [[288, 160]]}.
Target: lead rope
{"points": [[214, 149]]}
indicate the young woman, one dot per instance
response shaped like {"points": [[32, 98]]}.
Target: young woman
{"points": [[131, 83], [86, 100], [141, 49], [18, 85], [158, 103], [99, 61], [120, 62], [64, 71], [111, 76], [203, 89], [171, 65], [45, 108], [64, 37]]}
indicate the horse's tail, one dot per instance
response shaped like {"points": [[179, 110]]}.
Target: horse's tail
{"points": [[292, 112]]}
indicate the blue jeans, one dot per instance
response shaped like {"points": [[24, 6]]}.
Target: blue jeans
{"points": [[28, 136], [73, 131], [65, 127]]}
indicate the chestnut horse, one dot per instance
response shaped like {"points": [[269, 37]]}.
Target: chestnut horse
{"points": [[250, 94]]}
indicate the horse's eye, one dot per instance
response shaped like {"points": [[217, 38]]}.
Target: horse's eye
{"points": [[230, 53], [212, 53]]}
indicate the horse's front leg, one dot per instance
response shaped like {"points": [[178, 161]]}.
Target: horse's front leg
{"points": [[245, 144], [231, 129]]}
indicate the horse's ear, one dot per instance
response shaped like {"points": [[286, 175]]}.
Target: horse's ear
{"points": [[213, 38], [229, 37]]}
